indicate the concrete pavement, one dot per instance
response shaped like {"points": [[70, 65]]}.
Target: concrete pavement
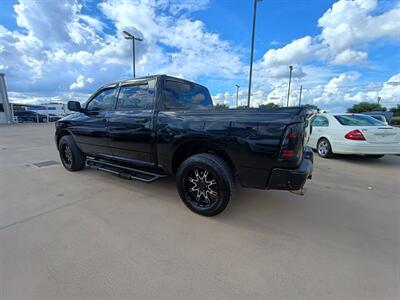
{"points": [[91, 235]]}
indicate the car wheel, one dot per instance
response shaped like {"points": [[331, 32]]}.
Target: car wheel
{"points": [[324, 148], [71, 157], [375, 156], [205, 184]]}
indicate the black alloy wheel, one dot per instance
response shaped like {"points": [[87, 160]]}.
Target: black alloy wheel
{"points": [[205, 184], [202, 188], [71, 157], [66, 155]]}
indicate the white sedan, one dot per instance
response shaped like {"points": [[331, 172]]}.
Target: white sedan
{"points": [[353, 134]]}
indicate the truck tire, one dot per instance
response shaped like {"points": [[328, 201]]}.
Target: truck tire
{"points": [[324, 148], [71, 157], [205, 184]]}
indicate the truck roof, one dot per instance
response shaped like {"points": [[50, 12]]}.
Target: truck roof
{"points": [[112, 84]]}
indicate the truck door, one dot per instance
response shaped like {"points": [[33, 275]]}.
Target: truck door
{"points": [[131, 123], [91, 128]]}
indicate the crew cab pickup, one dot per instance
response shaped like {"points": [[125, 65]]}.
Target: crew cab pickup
{"points": [[156, 126]]}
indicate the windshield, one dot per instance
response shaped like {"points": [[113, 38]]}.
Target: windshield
{"points": [[358, 120]]}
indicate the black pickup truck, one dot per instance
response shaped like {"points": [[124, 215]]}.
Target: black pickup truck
{"points": [[157, 126]]}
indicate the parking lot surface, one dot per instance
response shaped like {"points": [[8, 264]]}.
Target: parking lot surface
{"points": [[92, 235]]}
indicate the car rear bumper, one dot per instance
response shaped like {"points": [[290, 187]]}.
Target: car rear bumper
{"points": [[361, 147], [292, 179]]}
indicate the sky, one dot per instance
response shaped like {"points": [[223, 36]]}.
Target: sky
{"points": [[342, 52]]}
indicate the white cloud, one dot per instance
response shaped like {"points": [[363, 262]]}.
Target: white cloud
{"points": [[294, 52], [60, 39], [320, 62], [345, 26], [80, 82], [194, 50], [350, 57], [342, 91], [59, 50], [258, 97], [56, 22], [342, 80], [177, 6], [390, 91], [351, 23]]}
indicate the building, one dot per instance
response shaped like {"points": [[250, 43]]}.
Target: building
{"points": [[58, 109], [5, 111]]}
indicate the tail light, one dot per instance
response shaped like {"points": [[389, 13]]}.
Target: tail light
{"points": [[292, 143], [355, 135]]}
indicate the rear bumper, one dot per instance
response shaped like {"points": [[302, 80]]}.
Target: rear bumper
{"points": [[292, 179], [362, 147]]}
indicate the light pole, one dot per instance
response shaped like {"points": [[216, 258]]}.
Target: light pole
{"points": [[237, 95], [290, 81], [301, 91], [252, 50], [129, 36]]}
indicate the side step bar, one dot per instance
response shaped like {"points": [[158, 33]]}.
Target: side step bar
{"points": [[123, 171]]}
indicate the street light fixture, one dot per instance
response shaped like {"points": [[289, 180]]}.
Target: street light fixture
{"points": [[252, 50], [237, 95], [290, 81], [130, 36]]}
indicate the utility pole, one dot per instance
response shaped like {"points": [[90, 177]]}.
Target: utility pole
{"points": [[252, 50], [301, 90], [290, 81], [129, 36], [237, 95]]}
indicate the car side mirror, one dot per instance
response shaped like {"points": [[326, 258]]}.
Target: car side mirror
{"points": [[74, 106]]}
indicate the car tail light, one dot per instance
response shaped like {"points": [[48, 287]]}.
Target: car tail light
{"points": [[292, 143], [355, 135]]}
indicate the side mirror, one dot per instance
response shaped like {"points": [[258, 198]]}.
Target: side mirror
{"points": [[74, 106]]}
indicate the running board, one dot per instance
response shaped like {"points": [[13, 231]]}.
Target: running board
{"points": [[123, 171]]}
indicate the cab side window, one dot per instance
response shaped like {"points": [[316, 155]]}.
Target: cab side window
{"points": [[137, 96], [185, 96], [102, 101], [320, 121]]}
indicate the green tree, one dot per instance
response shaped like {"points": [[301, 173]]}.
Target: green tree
{"points": [[221, 106], [311, 106], [242, 107], [396, 110], [366, 106], [268, 105], [396, 115]]}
